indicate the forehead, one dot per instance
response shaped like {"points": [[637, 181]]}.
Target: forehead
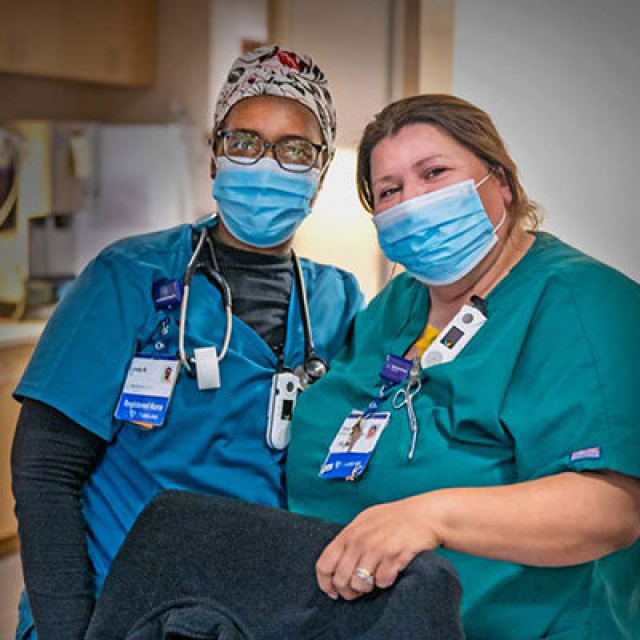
{"points": [[273, 117], [412, 144]]}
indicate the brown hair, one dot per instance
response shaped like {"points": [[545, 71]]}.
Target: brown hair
{"points": [[465, 123]]}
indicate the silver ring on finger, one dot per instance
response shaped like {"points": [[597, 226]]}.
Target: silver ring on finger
{"points": [[364, 575]]}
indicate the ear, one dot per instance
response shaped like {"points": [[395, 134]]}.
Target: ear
{"points": [[505, 186]]}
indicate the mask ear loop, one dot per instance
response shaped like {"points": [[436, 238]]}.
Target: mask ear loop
{"points": [[504, 217], [504, 212], [489, 174], [393, 271]]}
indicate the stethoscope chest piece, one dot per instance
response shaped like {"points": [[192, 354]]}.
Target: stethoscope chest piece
{"points": [[311, 370]]}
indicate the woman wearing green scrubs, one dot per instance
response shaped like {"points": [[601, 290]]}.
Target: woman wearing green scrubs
{"points": [[519, 458]]}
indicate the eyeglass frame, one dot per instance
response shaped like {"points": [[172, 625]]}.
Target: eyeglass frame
{"points": [[223, 134]]}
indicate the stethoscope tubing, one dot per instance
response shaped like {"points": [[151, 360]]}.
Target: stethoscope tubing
{"points": [[192, 267], [225, 290]]}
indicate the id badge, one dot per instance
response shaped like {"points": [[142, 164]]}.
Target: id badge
{"points": [[354, 444], [147, 390]]}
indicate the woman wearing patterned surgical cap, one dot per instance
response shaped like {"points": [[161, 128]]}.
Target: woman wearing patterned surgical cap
{"points": [[98, 435]]}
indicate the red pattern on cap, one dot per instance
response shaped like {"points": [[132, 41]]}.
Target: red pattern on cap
{"points": [[289, 59]]}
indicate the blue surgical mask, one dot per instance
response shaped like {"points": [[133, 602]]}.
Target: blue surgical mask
{"points": [[263, 204], [440, 236]]}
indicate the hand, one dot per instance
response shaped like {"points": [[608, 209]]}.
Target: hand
{"points": [[382, 540]]}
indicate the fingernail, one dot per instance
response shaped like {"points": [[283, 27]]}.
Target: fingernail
{"points": [[333, 596]]}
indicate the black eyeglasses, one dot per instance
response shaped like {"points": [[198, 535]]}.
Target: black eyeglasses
{"points": [[244, 146]]}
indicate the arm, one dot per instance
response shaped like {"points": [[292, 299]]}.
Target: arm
{"points": [[565, 519], [52, 457]]}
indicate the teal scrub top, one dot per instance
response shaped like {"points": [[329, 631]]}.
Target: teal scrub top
{"points": [[551, 383], [212, 441]]}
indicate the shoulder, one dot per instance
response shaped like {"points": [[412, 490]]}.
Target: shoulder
{"points": [[560, 263], [577, 312], [324, 278], [396, 296], [154, 246], [594, 287], [130, 265]]}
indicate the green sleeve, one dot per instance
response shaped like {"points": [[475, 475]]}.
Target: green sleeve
{"points": [[574, 399]]}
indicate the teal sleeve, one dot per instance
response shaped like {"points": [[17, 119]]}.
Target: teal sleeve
{"points": [[573, 403], [81, 360], [354, 294], [334, 299]]}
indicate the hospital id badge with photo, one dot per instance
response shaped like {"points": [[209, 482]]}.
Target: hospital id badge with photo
{"points": [[354, 444], [147, 390]]}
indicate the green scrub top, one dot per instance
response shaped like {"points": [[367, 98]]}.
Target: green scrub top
{"points": [[551, 383]]}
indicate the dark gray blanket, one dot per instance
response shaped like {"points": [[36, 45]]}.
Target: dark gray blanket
{"points": [[202, 567]]}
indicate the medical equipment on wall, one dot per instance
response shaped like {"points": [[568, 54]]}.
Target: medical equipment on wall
{"points": [[12, 270], [10, 148], [204, 364]]}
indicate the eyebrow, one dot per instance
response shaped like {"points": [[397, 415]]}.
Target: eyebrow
{"points": [[422, 161]]}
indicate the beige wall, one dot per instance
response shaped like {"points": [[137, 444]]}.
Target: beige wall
{"points": [[181, 92], [373, 52], [351, 42], [231, 24]]}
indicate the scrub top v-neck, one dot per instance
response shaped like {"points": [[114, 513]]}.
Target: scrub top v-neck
{"points": [[212, 441]]}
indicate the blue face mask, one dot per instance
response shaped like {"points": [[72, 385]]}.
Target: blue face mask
{"points": [[440, 236], [263, 204]]}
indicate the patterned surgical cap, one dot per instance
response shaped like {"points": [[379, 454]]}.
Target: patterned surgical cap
{"points": [[273, 71]]}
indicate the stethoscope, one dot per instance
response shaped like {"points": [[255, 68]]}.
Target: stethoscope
{"points": [[313, 367]]}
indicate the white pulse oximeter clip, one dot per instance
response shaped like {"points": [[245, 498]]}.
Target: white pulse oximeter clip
{"points": [[457, 334], [284, 393]]}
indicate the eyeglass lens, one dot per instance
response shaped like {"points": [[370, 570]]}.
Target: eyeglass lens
{"points": [[246, 147]]}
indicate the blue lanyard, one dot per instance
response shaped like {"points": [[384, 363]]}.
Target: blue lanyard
{"points": [[383, 394], [395, 371]]}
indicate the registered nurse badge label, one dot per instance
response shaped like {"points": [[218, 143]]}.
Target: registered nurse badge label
{"points": [[147, 391], [353, 445]]}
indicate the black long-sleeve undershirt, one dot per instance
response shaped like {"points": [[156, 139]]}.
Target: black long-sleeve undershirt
{"points": [[51, 459]]}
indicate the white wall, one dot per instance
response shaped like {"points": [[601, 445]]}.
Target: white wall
{"points": [[561, 78]]}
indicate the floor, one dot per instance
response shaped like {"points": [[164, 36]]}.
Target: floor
{"points": [[10, 587]]}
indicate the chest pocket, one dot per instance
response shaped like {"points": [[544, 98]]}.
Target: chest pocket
{"points": [[459, 430], [463, 400]]}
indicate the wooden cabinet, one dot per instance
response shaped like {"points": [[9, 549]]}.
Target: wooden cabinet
{"points": [[13, 360], [24, 43], [111, 42]]}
